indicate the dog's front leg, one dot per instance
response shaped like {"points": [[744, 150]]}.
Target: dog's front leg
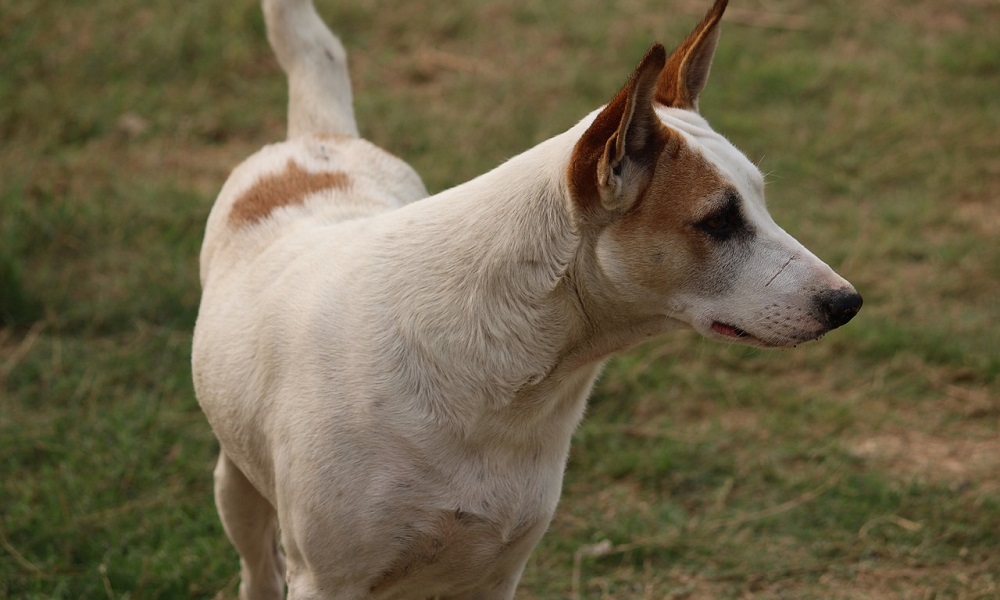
{"points": [[251, 524]]}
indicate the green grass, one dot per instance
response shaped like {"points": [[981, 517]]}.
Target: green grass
{"points": [[866, 465]]}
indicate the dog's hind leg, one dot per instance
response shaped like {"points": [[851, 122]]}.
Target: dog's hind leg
{"points": [[319, 87], [251, 524]]}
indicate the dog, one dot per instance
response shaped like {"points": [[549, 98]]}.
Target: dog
{"points": [[394, 378]]}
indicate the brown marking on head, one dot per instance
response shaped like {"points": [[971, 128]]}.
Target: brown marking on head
{"points": [[289, 187], [613, 161], [662, 245], [686, 73], [627, 129]]}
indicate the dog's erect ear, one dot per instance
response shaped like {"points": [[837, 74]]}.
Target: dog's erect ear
{"points": [[687, 69], [614, 158]]}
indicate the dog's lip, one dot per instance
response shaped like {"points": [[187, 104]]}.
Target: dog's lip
{"points": [[735, 333], [727, 330]]}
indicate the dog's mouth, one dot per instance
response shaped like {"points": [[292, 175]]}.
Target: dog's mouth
{"points": [[729, 330], [735, 333]]}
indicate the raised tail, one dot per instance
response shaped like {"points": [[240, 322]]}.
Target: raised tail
{"points": [[319, 87]]}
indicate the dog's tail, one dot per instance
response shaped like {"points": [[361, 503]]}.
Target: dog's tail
{"points": [[319, 87]]}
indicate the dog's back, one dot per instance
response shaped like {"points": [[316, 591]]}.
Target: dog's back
{"points": [[324, 173], [305, 182]]}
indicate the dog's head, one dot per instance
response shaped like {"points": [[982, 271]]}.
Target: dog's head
{"points": [[677, 219]]}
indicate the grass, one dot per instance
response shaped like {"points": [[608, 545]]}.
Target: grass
{"points": [[862, 466]]}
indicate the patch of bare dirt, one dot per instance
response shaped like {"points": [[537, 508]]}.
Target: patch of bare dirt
{"points": [[980, 215], [912, 454], [942, 17]]}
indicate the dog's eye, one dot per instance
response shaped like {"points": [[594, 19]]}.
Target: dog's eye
{"points": [[725, 222], [720, 225], [715, 224]]}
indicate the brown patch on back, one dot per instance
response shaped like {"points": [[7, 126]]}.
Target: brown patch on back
{"points": [[289, 187]]}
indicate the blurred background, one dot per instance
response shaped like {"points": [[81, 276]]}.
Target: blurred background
{"points": [[865, 465]]}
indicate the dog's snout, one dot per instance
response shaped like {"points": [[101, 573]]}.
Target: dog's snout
{"points": [[837, 307]]}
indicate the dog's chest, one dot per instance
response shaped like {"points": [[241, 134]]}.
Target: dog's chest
{"points": [[451, 551], [466, 522]]}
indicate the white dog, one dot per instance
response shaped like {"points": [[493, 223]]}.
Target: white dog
{"points": [[394, 379]]}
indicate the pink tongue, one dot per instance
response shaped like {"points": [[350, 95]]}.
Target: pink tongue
{"points": [[726, 330]]}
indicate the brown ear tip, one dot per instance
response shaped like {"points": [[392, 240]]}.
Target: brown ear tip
{"points": [[718, 8], [656, 53]]}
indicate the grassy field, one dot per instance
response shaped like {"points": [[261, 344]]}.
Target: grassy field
{"points": [[866, 465]]}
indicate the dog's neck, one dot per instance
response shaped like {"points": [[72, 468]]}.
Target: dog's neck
{"points": [[526, 307]]}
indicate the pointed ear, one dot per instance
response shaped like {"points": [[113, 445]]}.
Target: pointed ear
{"points": [[615, 157], [687, 69]]}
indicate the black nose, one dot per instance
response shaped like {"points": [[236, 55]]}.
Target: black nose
{"points": [[837, 307]]}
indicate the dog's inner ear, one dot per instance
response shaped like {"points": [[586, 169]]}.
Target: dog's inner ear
{"points": [[614, 159], [686, 73]]}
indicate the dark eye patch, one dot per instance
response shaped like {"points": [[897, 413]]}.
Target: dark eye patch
{"points": [[726, 221]]}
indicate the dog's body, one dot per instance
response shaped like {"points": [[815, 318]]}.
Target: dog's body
{"points": [[395, 382]]}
